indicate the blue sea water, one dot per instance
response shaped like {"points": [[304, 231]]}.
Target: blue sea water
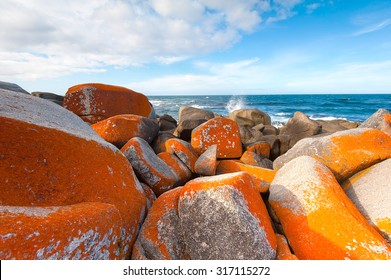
{"points": [[352, 107]]}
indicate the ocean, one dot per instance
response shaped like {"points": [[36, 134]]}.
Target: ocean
{"points": [[352, 107]]}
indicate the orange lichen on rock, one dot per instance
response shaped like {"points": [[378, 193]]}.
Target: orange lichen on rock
{"points": [[260, 148], [177, 166], [262, 177], [149, 168], [370, 191], [318, 219], [183, 150], [344, 153], [53, 158], [207, 162], [149, 194], [283, 250], [160, 236], [222, 132], [79, 231], [94, 102], [118, 130]]}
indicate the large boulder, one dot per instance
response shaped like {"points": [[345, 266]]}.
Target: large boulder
{"points": [[96, 102], [249, 135], [370, 191], [345, 152], [149, 168], [183, 150], [299, 127], [118, 130], [65, 192], [381, 119], [160, 237], [250, 117], [224, 217], [188, 119], [5, 86], [222, 132], [318, 219]]}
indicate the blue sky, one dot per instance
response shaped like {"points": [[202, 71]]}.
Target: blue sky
{"points": [[187, 47]]}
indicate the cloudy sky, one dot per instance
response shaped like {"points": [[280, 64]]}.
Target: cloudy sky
{"points": [[165, 47]]}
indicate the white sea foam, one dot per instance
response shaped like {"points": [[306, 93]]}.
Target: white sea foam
{"points": [[327, 118], [235, 103]]}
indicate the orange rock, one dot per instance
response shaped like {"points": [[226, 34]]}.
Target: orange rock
{"points": [[206, 164], [344, 153], [177, 166], [262, 177], [50, 157], [120, 129], [95, 102], [160, 236], [224, 217], [260, 148], [159, 144], [220, 131], [150, 195], [283, 250], [254, 159], [183, 150], [80, 231], [149, 168], [318, 219]]}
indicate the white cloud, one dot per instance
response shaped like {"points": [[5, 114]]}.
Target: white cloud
{"points": [[312, 7], [373, 27], [45, 38]]}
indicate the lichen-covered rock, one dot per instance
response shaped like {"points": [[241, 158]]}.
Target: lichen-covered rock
{"points": [[160, 237], [250, 117], [344, 153], [262, 177], [254, 159], [224, 217], [283, 250], [79, 231], [149, 168], [149, 194], [299, 127], [207, 162], [221, 132], [95, 102], [177, 166], [183, 150], [159, 143], [118, 130], [318, 219], [260, 148], [370, 191], [381, 119], [50, 158]]}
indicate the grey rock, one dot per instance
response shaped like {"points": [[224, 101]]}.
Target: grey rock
{"points": [[11, 87], [378, 121], [250, 117]]}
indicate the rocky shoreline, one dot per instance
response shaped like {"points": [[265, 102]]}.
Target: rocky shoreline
{"points": [[96, 174]]}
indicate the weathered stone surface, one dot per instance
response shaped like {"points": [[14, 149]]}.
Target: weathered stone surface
{"points": [[249, 135], [283, 250], [381, 119], [274, 144], [318, 219], [345, 152], [185, 128], [331, 126], [149, 168], [50, 157], [224, 217], [160, 237], [96, 102], [118, 130], [284, 143], [184, 151], [299, 127], [254, 159], [260, 148], [262, 177], [166, 122], [207, 162], [150, 195], [159, 143], [55, 98], [220, 131], [5, 86], [270, 130], [79, 231], [250, 117], [370, 191], [177, 166]]}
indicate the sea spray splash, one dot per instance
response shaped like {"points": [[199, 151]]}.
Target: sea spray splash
{"points": [[235, 102]]}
